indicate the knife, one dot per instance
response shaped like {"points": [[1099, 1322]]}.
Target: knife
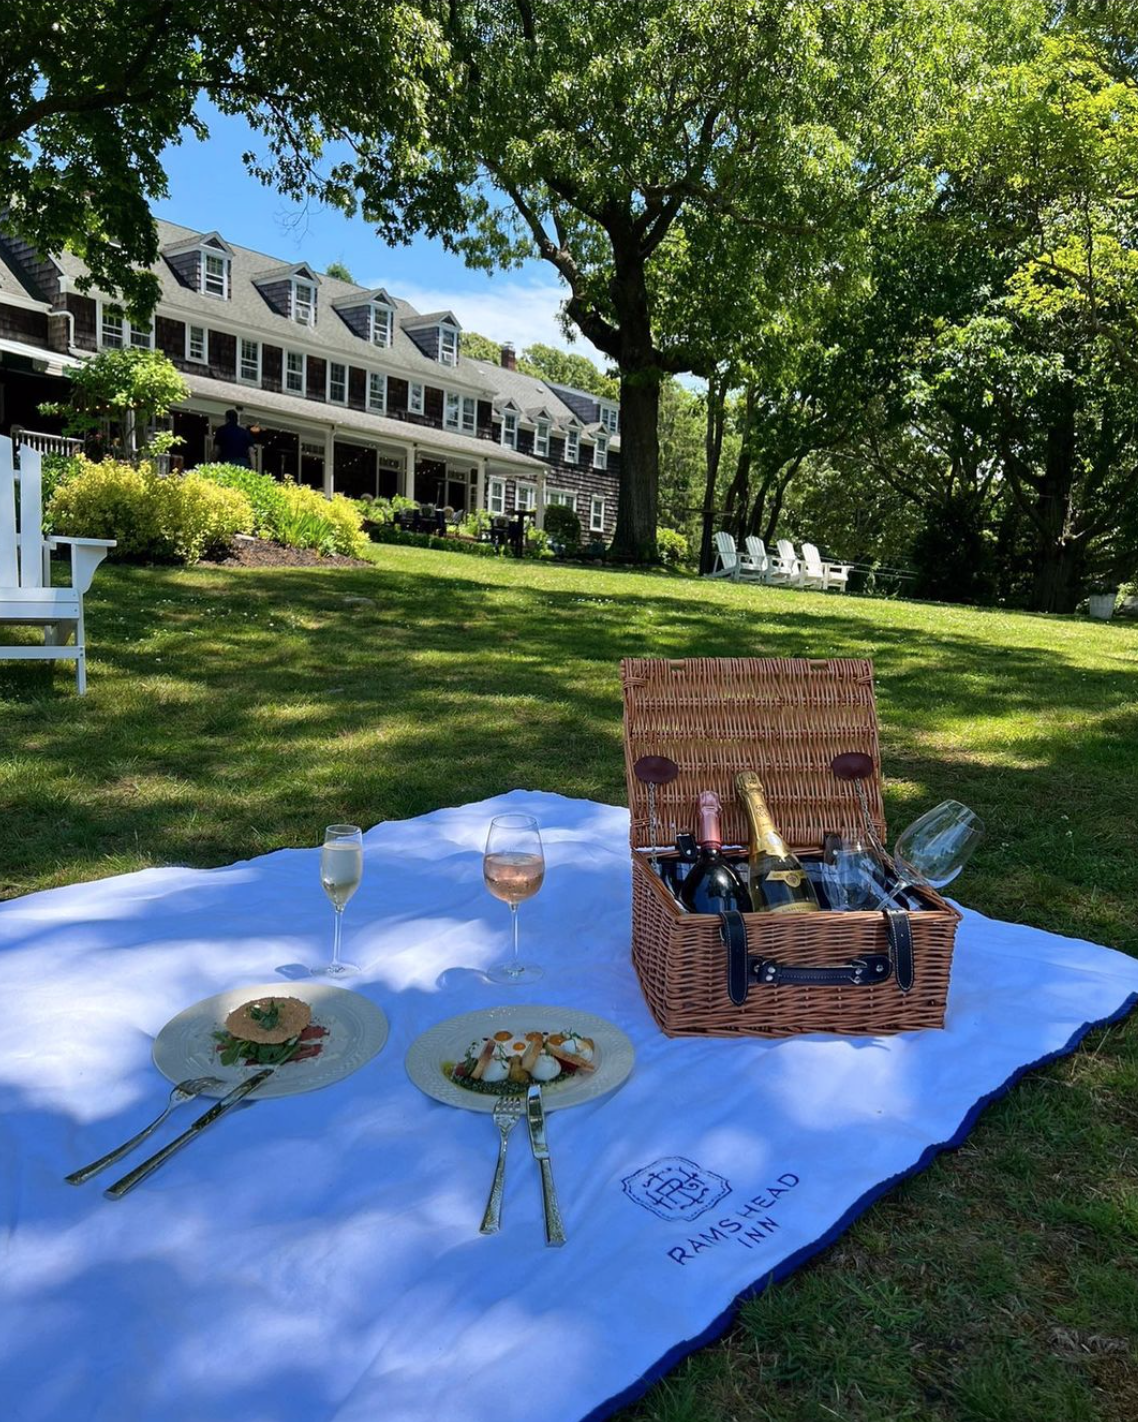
{"points": [[535, 1117], [148, 1167]]}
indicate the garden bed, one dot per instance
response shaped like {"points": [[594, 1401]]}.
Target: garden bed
{"points": [[248, 552]]}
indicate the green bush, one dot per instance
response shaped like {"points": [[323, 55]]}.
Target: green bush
{"points": [[57, 469], [294, 514], [265, 494], [563, 527], [476, 523], [390, 534], [179, 517], [671, 547]]}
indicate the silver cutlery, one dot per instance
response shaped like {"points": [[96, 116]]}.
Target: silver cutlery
{"points": [[507, 1114], [535, 1114], [184, 1091], [148, 1167]]}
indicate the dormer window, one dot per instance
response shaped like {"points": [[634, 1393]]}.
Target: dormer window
{"points": [[610, 419], [215, 275], [382, 324], [572, 446], [510, 429], [541, 439], [304, 301], [448, 345], [601, 452]]}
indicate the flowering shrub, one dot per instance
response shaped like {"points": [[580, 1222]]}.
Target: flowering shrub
{"points": [[294, 514]]}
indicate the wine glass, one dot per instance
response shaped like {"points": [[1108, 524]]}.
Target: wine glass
{"points": [[341, 868], [849, 876], [514, 868], [935, 848]]}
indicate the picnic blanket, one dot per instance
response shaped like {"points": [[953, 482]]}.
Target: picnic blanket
{"points": [[318, 1257]]}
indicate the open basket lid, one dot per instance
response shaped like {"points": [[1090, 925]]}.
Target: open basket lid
{"points": [[784, 718]]}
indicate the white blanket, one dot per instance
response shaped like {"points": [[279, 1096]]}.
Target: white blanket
{"points": [[318, 1257]]}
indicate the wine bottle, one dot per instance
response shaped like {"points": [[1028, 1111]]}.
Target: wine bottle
{"points": [[777, 881], [712, 885]]}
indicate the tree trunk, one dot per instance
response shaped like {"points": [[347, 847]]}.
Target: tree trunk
{"points": [[635, 537], [1055, 586], [716, 413], [738, 499]]}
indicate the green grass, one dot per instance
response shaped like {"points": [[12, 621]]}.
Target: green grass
{"points": [[232, 712]]}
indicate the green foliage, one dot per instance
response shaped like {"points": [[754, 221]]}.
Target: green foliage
{"points": [[390, 534], [672, 547], [476, 347], [567, 368], [538, 542], [265, 494], [563, 527], [476, 523], [115, 387], [340, 272], [177, 517], [294, 514]]}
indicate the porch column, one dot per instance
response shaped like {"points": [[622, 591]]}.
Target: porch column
{"points": [[329, 461], [407, 477], [539, 519], [480, 485]]}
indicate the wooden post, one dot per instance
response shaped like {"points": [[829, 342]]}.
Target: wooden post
{"points": [[480, 486], [408, 480], [539, 518], [329, 461]]}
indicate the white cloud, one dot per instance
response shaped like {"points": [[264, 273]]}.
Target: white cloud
{"points": [[504, 309]]}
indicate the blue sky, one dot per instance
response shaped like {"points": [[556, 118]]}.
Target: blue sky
{"points": [[210, 188]]}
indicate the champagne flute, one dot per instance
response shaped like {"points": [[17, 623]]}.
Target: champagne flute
{"points": [[514, 868], [341, 868]]}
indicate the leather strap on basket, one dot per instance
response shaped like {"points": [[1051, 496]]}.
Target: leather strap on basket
{"points": [[899, 931], [866, 971], [734, 932]]}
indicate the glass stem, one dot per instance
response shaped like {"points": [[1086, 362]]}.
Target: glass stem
{"points": [[514, 916], [336, 939]]}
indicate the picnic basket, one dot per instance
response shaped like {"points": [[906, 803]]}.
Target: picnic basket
{"points": [[786, 719]]}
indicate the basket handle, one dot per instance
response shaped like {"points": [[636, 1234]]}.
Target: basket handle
{"points": [[870, 968]]}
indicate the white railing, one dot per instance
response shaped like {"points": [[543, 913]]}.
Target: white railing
{"points": [[46, 443]]}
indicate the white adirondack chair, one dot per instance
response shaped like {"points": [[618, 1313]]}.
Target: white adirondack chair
{"points": [[773, 570], [26, 594], [793, 566], [833, 575], [729, 563]]}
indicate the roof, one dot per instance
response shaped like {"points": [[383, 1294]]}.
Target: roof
{"points": [[283, 270], [528, 393], [13, 284], [375, 427], [431, 318]]}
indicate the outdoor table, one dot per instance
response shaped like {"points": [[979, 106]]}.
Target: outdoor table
{"points": [[317, 1257]]}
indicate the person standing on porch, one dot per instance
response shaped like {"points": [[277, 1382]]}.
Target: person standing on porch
{"points": [[232, 441]]}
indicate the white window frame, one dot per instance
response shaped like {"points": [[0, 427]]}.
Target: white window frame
{"points": [[204, 275], [601, 452], [597, 513], [452, 409], [416, 397], [448, 344], [564, 498], [303, 312], [332, 400], [529, 491], [469, 406], [541, 439], [610, 419], [126, 339], [377, 407], [495, 496], [572, 446], [303, 358], [242, 342], [202, 359], [509, 429], [381, 325], [147, 335]]}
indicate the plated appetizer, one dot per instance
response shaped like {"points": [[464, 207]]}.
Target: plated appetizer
{"points": [[507, 1063], [269, 1031]]}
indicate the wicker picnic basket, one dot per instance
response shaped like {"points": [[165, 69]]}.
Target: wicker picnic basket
{"points": [[787, 720]]}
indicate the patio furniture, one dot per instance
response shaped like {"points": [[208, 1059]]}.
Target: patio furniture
{"points": [[833, 575], [797, 574], [730, 563], [27, 597], [499, 531]]}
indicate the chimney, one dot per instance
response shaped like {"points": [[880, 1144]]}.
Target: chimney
{"points": [[509, 359]]}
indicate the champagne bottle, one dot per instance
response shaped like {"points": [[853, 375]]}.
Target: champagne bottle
{"points": [[712, 885], [777, 880]]}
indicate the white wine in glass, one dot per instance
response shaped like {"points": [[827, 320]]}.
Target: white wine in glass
{"points": [[514, 869], [341, 868]]}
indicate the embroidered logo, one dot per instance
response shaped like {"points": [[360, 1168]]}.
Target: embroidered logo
{"points": [[676, 1188]]}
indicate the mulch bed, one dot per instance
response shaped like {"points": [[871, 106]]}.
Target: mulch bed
{"points": [[260, 553]]}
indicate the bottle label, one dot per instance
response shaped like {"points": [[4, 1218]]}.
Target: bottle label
{"points": [[792, 877]]}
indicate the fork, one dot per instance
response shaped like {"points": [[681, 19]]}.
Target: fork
{"points": [[184, 1091], [507, 1113]]}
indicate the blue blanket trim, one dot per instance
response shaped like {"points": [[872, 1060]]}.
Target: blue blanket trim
{"points": [[793, 1261]]}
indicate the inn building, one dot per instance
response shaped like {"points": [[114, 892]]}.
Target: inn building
{"points": [[353, 390]]}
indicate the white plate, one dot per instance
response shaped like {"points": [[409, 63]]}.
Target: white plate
{"points": [[357, 1029], [613, 1053]]}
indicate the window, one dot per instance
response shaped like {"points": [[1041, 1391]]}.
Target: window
{"points": [[304, 302], [609, 419], [249, 362], [597, 514], [296, 372], [382, 324], [415, 398], [115, 331], [525, 496], [572, 446], [601, 452], [141, 336], [197, 344], [510, 429], [562, 497], [496, 496], [541, 438], [461, 413], [215, 275], [448, 345], [337, 383], [376, 392]]}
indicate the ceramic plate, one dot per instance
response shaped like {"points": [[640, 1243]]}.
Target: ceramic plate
{"points": [[357, 1029], [447, 1044]]}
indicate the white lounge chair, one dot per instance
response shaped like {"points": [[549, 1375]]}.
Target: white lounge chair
{"points": [[795, 569], [773, 569], [833, 575], [26, 595], [730, 563]]}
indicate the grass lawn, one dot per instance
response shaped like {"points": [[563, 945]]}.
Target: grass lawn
{"points": [[233, 712]]}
